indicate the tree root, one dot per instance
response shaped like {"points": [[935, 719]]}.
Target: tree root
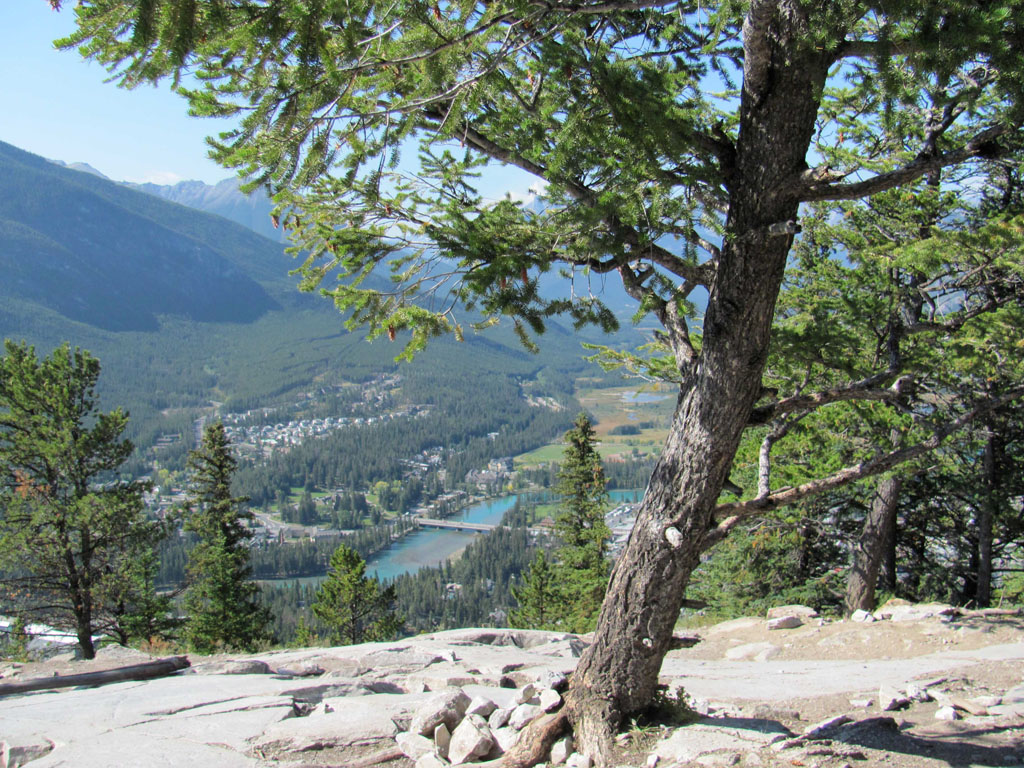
{"points": [[374, 758], [534, 745], [593, 721]]}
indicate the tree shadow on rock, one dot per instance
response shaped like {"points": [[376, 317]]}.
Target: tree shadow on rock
{"points": [[951, 743]]}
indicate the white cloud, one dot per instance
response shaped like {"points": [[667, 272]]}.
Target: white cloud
{"points": [[535, 190]]}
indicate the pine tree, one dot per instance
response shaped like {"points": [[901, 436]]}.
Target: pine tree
{"points": [[582, 565], [141, 613], [68, 530], [568, 593], [355, 607], [221, 601], [537, 596]]}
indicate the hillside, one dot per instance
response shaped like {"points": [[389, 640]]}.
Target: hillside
{"points": [[101, 254], [253, 211], [184, 308], [222, 199]]}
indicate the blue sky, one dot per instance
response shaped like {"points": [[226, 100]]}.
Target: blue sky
{"points": [[54, 104]]}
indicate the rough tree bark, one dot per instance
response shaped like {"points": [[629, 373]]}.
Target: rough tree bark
{"points": [[887, 576], [986, 521], [618, 674], [869, 550]]}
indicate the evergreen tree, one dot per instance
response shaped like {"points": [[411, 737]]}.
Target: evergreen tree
{"points": [[304, 637], [142, 614], [221, 601], [69, 530], [582, 564], [307, 514], [355, 607], [537, 596], [568, 594]]}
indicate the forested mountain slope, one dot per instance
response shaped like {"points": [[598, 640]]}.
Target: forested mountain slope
{"points": [[223, 199], [183, 308], [99, 253]]}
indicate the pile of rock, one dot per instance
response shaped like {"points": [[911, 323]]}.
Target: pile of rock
{"points": [[950, 707], [453, 728], [897, 609], [789, 616]]}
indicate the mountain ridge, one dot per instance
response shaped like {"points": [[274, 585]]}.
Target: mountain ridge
{"points": [[100, 253]]}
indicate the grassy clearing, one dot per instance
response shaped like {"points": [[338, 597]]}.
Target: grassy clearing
{"points": [[614, 407], [543, 455]]}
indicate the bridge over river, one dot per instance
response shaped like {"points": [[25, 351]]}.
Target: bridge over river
{"points": [[462, 525]]}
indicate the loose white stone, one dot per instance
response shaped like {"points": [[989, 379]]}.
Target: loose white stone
{"points": [[413, 745], [447, 707], [861, 616], [554, 680], [785, 622], [526, 694], [916, 693], [988, 701], [889, 699], [442, 740], [499, 718], [946, 713], [522, 715], [550, 700], [813, 731], [861, 703], [470, 741], [561, 750], [505, 738], [481, 705], [757, 651], [576, 760], [12, 756], [430, 761]]}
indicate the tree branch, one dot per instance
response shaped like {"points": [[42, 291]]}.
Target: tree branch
{"points": [[764, 458], [700, 274], [865, 389], [876, 49], [736, 512], [814, 189]]}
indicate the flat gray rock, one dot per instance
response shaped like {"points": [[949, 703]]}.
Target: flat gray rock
{"points": [[223, 720], [353, 722], [755, 651], [714, 734], [803, 611]]}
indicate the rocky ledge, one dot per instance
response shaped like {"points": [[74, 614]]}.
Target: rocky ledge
{"points": [[764, 692]]}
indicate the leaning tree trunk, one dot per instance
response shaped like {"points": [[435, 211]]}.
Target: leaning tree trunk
{"points": [[887, 577], [986, 521], [870, 548], [618, 674]]}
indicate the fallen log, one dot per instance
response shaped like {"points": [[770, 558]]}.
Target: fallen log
{"points": [[145, 671]]}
